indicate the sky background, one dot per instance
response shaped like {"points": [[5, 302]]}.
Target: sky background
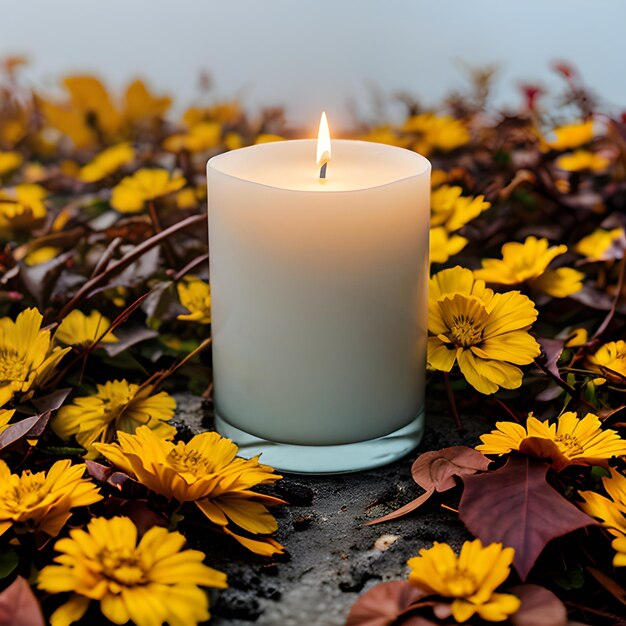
{"points": [[319, 55]]}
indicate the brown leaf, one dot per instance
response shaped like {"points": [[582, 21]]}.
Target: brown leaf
{"points": [[612, 586], [544, 449], [515, 506], [551, 350], [52, 401], [436, 471], [383, 604], [19, 606], [540, 607]]}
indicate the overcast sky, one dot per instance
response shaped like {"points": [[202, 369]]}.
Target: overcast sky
{"points": [[313, 55]]}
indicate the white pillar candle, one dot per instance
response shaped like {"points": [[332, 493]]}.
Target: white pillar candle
{"points": [[319, 291]]}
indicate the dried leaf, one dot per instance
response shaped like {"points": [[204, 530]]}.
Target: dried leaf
{"points": [[28, 426], [551, 350], [436, 471], [19, 606], [52, 401], [383, 604], [612, 586], [515, 506], [540, 607]]}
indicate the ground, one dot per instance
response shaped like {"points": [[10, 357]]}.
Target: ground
{"points": [[332, 556]]}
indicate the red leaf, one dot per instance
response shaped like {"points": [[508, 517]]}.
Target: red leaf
{"points": [[436, 471], [540, 607], [18, 605], [383, 604], [515, 506]]}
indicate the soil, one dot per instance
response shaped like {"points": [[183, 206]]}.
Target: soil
{"points": [[331, 556]]}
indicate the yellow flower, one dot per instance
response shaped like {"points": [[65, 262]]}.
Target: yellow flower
{"points": [[186, 199], [610, 361], [10, 161], [443, 133], [27, 355], [80, 329], [595, 245], [486, 333], [201, 137], [577, 441], [572, 136], [88, 116], [5, 418], [223, 112], [22, 206], [438, 177], [386, 135], [141, 105], [576, 338], [528, 262], [131, 194], [612, 512], [444, 245], [41, 255], [195, 296], [453, 210], [470, 580], [116, 406], [205, 471], [149, 582], [267, 138], [107, 162], [582, 160], [43, 501]]}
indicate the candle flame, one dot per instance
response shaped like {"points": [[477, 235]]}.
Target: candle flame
{"points": [[323, 141]]}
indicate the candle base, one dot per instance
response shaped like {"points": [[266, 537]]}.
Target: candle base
{"points": [[339, 459]]}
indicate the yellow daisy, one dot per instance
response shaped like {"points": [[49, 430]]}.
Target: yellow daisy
{"points": [[27, 355], [486, 333], [469, 579], [117, 406], [195, 296], [22, 207], [10, 161], [528, 262], [199, 138], [5, 418], [43, 501], [41, 255], [205, 471], [610, 511], [436, 132], [131, 193], [443, 245], [582, 160], [576, 441], [452, 209], [610, 361], [106, 162], [572, 136], [148, 581], [595, 246], [80, 329]]}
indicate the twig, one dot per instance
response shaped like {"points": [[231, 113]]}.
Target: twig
{"points": [[506, 408], [131, 256], [457, 418], [618, 295], [156, 224], [191, 265], [106, 256]]}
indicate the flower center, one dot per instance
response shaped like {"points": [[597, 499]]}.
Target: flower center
{"points": [[27, 493], [189, 461], [123, 565], [12, 366], [465, 331], [569, 445], [460, 583]]}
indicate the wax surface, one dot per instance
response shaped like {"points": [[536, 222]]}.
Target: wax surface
{"points": [[319, 290]]}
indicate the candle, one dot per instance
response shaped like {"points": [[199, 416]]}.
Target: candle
{"points": [[319, 271]]}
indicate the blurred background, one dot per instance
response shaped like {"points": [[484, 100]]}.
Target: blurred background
{"points": [[321, 54]]}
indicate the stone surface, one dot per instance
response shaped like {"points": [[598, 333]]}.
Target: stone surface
{"points": [[332, 556]]}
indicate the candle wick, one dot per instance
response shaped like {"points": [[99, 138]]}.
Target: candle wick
{"points": [[323, 170]]}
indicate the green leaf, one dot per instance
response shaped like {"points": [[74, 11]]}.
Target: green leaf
{"points": [[9, 560], [570, 579]]}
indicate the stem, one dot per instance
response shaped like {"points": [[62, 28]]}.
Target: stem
{"points": [[84, 292], [506, 408], [191, 265], [457, 418]]}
